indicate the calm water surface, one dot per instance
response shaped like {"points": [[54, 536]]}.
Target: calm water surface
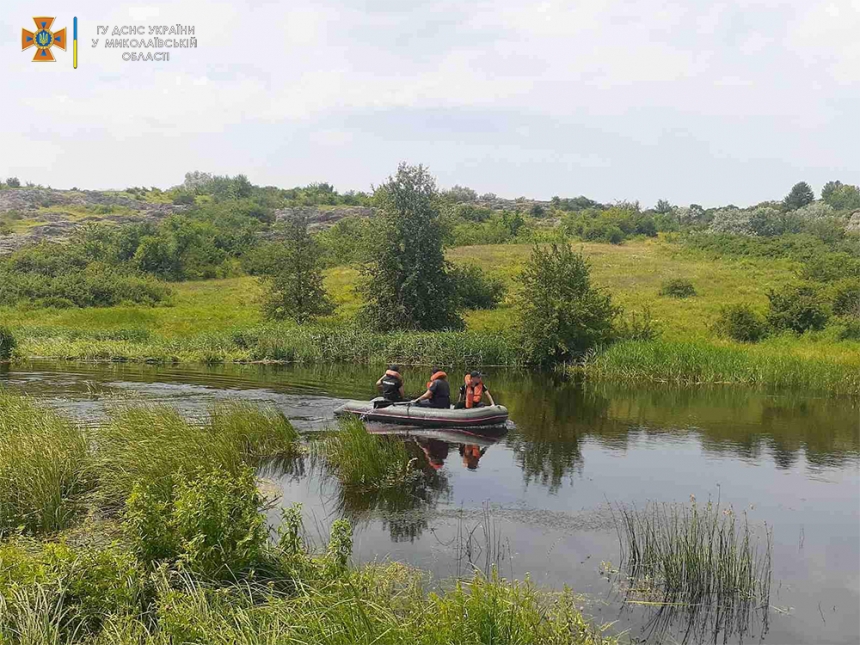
{"points": [[538, 496]]}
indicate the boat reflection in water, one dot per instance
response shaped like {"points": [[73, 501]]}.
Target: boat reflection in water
{"points": [[406, 510], [437, 445]]}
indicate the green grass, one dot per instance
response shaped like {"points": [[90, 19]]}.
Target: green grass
{"points": [[770, 366], [44, 468], [98, 585], [219, 320], [153, 445], [363, 460]]}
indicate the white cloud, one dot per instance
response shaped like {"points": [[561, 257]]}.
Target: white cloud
{"points": [[622, 74]]}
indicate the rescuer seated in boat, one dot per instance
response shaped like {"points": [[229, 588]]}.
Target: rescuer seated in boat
{"points": [[438, 394], [391, 384], [472, 392]]}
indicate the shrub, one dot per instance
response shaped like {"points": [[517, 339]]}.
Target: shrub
{"points": [[13, 182], [184, 199], [797, 309], [561, 315], [7, 342], [741, 323], [639, 326], [849, 329], [210, 525], [678, 288], [846, 299], [476, 289], [829, 267]]}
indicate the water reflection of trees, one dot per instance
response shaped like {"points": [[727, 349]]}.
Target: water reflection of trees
{"points": [[554, 417]]}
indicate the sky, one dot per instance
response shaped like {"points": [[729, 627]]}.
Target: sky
{"points": [[695, 102]]}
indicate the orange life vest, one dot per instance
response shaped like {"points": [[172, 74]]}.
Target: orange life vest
{"points": [[436, 376], [473, 393]]}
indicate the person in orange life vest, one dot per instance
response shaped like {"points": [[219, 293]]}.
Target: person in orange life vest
{"points": [[391, 384], [471, 454], [438, 394], [472, 392], [435, 450]]}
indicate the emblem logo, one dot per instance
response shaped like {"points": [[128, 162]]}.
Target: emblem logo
{"points": [[43, 39]]}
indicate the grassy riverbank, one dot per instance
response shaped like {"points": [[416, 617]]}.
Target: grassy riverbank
{"points": [[131, 537], [220, 320]]}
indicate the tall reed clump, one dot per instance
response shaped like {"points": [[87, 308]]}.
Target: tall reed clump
{"points": [[701, 559], [363, 460], [704, 363], [355, 345], [44, 467], [154, 445]]}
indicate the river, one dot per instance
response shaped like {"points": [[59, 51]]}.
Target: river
{"points": [[537, 498]]}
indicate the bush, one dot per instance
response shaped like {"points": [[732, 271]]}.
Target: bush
{"points": [[829, 267], [561, 315], [7, 343], [639, 326], [184, 199], [741, 323], [678, 288], [797, 309], [476, 289], [846, 299], [211, 525]]}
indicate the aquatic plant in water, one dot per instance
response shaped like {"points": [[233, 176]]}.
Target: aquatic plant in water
{"points": [[699, 567]]}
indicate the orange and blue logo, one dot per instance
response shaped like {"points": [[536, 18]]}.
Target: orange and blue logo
{"points": [[43, 39]]}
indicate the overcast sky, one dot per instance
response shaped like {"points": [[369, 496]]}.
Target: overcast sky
{"points": [[704, 102]]}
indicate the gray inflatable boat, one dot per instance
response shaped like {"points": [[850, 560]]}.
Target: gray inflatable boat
{"points": [[409, 414]]}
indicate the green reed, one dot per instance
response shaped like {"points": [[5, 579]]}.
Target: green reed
{"points": [[701, 362], [44, 467], [701, 561], [365, 461], [153, 444]]}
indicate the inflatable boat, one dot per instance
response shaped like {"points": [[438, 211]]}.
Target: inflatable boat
{"points": [[482, 437], [407, 413]]}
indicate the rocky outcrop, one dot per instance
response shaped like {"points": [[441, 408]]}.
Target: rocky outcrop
{"points": [[322, 218], [29, 203], [853, 222]]}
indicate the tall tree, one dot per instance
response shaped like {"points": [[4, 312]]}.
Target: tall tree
{"points": [[801, 194], [841, 196], [408, 285], [294, 277]]}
